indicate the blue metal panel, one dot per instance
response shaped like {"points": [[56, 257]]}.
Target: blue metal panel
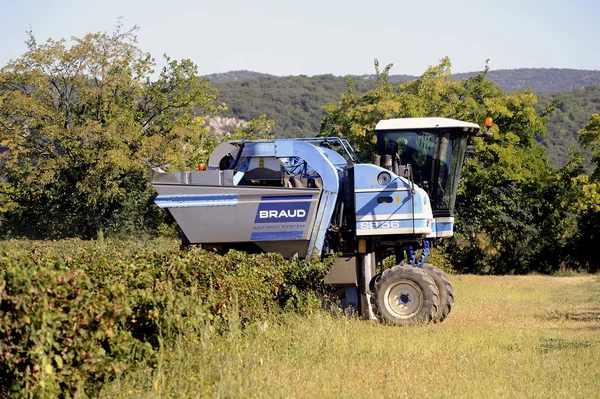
{"points": [[392, 209], [237, 178], [285, 148], [334, 157], [318, 161], [195, 200], [329, 175], [376, 203], [443, 228], [365, 177], [258, 149], [368, 203]]}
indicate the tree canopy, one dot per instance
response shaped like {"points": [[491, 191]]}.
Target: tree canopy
{"points": [[296, 103], [81, 122], [512, 207]]}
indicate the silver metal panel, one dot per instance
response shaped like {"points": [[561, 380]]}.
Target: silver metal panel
{"points": [[157, 175], [200, 178], [258, 214], [195, 200], [368, 271], [220, 152], [258, 149], [343, 272]]}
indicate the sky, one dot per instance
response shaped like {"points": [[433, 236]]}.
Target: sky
{"points": [[312, 37]]}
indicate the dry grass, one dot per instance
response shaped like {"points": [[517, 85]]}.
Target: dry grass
{"points": [[528, 336]]}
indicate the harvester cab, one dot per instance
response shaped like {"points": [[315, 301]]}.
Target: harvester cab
{"points": [[312, 197], [430, 152]]}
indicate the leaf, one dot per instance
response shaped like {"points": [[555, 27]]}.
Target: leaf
{"points": [[59, 361]]}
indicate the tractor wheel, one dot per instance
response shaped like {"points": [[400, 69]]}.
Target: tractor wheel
{"points": [[445, 289], [373, 281], [405, 295]]}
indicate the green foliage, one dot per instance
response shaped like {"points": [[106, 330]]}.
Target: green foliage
{"points": [[572, 113], [584, 195], [507, 202], [434, 93], [539, 80], [512, 207], [75, 314], [241, 75], [80, 124], [58, 333], [257, 129], [295, 103], [590, 140]]}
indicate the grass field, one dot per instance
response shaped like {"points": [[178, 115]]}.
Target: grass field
{"points": [[510, 336]]}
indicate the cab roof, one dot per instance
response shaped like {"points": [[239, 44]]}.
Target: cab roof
{"points": [[425, 123]]}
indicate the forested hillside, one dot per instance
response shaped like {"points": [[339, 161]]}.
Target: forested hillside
{"points": [[296, 103], [571, 115], [235, 76], [540, 80]]}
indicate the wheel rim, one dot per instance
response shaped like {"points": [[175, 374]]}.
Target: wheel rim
{"points": [[404, 299]]}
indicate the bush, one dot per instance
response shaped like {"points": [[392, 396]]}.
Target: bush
{"points": [[77, 313], [58, 333]]}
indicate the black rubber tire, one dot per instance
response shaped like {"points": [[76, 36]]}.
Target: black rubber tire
{"points": [[373, 281], [445, 289], [405, 295]]}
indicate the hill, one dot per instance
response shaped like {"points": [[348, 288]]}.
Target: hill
{"points": [[540, 80], [296, 102], [233, 76], [572, 114]]}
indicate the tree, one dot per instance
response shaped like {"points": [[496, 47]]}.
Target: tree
{"points": [[509, 218], [257, 129], [584, 200], [82, 121], [589, 138]]}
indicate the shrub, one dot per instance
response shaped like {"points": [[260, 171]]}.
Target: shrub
{"points": [[76, 313], [58, 333]]}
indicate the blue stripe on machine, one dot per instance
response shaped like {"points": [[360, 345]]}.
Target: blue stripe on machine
{"points": [[276, 235], [195, 200], [444, 226], [288, 198]]}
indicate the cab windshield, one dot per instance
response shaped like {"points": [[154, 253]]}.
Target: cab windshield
{"points": [[436, 159]]}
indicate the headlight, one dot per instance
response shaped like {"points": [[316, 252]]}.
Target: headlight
{"points": [[384, 178]]}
